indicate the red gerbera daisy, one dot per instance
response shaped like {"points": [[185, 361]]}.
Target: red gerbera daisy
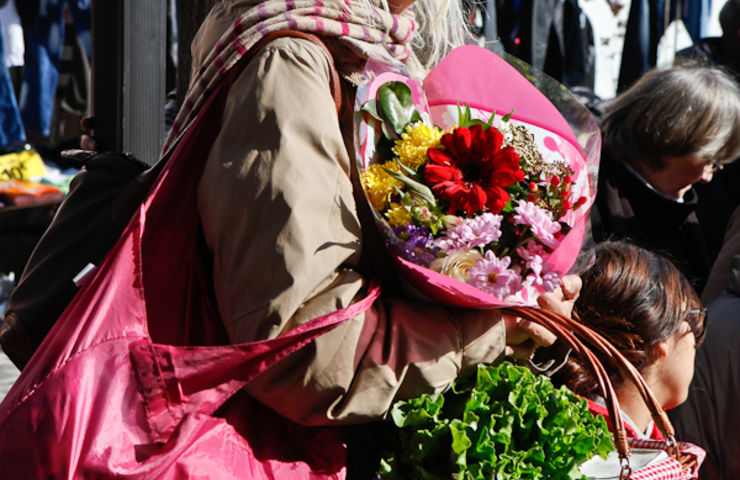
{"points": [[473, 170]]}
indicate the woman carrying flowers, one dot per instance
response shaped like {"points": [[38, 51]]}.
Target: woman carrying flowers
{"points": [[292, 239]]}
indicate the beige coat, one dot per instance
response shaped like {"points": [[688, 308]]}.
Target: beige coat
{"points": [[278, 210]]}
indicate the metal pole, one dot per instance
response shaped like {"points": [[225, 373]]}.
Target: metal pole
{"points": [[128, 79]]}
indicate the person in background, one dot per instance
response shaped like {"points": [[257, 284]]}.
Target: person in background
{"points": [[723, 265], [675, 127], [13, 42], [719, 198], [723, 51], [44, 27], [12, 133], [639, 302], [710, 416]]}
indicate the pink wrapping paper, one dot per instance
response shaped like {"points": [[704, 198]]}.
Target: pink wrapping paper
{"points": [[492, 84]]}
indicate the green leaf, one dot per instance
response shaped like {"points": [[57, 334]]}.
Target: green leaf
{"points": [[371, 107], [397, 105], [418, 188], [460, 441], [410, 172], [465, 120], [508, 116], [384, 148]]}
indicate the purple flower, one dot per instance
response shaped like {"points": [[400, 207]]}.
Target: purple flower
{"points": [[539, 221], [493, 275], [471, 233], [416, 244]]}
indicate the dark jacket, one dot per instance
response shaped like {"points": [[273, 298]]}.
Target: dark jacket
{"points": [[28, 11], [711, 51], [710, 417], [554, 36], [626, 208]]}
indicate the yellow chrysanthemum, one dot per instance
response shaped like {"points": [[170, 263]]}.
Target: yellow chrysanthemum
{"points": [[419, 137], [397, 215], [379, 185]]}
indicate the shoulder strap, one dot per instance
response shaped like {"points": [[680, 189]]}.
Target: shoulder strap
{"points": [[147, 178], [122, 202], [334, 81]]}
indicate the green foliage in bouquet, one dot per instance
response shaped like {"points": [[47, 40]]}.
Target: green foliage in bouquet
{"points": [[504, 424]]}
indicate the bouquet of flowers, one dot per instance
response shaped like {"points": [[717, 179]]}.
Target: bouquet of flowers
{"points": [[475, 203]]}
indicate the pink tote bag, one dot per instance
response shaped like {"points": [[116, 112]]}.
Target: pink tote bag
{"points": [[109, 395]]}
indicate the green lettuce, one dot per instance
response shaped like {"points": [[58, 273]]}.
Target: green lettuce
{"points": [[505, 423]]}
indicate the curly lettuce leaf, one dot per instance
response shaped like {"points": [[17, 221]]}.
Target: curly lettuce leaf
{"points": [[505, 423]]}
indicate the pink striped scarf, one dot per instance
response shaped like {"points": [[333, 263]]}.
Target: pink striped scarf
{"points": [[335, 18]]}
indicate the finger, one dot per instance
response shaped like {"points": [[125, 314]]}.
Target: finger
{"points": [[571, 287], [537, 333], [87, 123], [88, 143], [514, 333], [519, 331], [555, 302], [521, 352]]}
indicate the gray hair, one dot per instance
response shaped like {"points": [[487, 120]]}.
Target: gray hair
{"points": [[442, 27], [683, 110]]}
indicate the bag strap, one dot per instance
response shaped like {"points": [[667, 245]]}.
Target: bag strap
{"points": [[176, 381], [148, 177], [574, 333]]}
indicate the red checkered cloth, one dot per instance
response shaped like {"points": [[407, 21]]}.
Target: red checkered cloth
{"points": [[670, 468]]}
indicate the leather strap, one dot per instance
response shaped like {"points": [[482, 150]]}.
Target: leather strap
{"points": [[578, 336]]}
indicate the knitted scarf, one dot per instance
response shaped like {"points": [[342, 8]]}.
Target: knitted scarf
{"points": [[344, 19]]}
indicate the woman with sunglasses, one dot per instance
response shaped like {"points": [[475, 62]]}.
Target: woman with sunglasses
{"points": [[644, 306]]}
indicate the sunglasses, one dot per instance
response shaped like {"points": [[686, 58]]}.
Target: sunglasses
{"points": [[696, 318]]}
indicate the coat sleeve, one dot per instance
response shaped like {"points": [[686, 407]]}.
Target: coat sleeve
{"points": [[279, 216]]}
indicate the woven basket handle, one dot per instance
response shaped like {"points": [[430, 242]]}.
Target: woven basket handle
{"points": [[578, 336]]}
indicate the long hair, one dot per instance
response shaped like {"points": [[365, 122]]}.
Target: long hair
{"points": [[682, 110], [635, 299], [441, 27]]}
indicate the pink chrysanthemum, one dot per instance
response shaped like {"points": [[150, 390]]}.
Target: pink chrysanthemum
{"points": [[471, 233], [530, 250], [539, 221], [493, 275], [541, 275]]}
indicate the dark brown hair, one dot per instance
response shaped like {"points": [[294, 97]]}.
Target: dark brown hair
{"points": [[687, 109], [635, 299]]}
